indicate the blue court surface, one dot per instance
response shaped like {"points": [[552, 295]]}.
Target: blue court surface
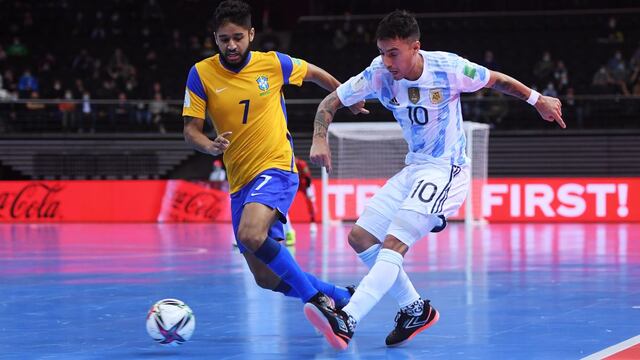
{"points": [[504, 291]]}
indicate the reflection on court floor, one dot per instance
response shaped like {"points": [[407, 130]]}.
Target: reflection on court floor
{"points": [[81, 291]]}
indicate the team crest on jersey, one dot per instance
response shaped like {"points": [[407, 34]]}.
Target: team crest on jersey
{"points": [[435, 95], [414, 94], [263, 82]]}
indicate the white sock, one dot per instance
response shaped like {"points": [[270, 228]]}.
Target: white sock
{"points": [[377, 282], [402, 290]]}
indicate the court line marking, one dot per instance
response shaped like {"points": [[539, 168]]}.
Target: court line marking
{"points": [[612, 350]]}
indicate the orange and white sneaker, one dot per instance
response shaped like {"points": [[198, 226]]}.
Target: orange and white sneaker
{"points": [[336, 326]]}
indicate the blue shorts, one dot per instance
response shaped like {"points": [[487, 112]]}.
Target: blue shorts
{"points": [[274, 188]]}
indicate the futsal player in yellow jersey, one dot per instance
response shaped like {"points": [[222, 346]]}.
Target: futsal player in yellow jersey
{"points": [[242, 92]]}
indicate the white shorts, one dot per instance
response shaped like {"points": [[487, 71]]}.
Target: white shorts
{"points": [[425, 188]]}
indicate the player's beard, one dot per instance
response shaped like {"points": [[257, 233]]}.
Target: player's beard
{"points": [[236, 65]]}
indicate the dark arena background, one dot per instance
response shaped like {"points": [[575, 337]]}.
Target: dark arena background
{"points": [[105, 209]]}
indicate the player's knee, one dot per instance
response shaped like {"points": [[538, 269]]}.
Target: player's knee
{"points": [[410, 226], [360, 240], [251, 239]]}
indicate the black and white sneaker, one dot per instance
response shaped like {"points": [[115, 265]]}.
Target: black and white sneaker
{"points": [[412, 320], [336, 326]]}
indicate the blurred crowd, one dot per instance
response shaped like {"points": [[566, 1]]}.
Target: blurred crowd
{"points": [[128, 51]]}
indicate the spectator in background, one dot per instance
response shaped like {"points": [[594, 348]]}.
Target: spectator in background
{"points": [[601, 82], [3, 55], [27, 84], [122, 112], [158, 107], [635, 58], [67, 111], [217, 172], [489, 61], [207, 48], [9, 81], [35, 113], [618, 70], [17, 49], [573, 109], [56, 91], [543, 68], [269, 41], [550, 90], [561, 77], [612, 34], [340, 40], [88, 116]]}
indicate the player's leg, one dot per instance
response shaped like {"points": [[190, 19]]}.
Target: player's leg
{"points": [[420, 315], [252, 234], [371, 228], [267, 279], [259, 206], [416, 217]]}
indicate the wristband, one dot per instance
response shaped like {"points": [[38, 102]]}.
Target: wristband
{"points": [[533, 97]]}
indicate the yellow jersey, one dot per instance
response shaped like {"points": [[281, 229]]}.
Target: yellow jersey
{"points": [[249, 103]]}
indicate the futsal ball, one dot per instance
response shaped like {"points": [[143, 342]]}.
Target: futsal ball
{"points": [[170, 322]]}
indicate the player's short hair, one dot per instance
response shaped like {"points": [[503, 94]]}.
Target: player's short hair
{"points": [[398, 24], [233, 11]]}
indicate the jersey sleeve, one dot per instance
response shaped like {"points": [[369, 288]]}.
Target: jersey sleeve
{"points": [[293, 70], [357, 88], [195, 97], [469, 76]]}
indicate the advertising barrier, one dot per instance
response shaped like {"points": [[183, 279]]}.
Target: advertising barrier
{"points": [[502, 200]]}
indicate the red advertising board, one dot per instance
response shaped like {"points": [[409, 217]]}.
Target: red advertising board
{"points": [[519, 199], [502, 200]]}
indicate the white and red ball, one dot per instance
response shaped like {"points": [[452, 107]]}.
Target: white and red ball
{"points": [[170, 322]]}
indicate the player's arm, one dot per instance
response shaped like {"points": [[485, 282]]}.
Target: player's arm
{"points": [[326, 81], [549, 108], [320, 153], [321, 78], [194, 136]]}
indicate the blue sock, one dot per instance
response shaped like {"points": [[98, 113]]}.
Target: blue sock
{"points": [[280, 261], [339, 294]]}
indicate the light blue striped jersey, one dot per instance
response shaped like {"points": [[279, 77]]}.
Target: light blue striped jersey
{"points": [[427, 109]]}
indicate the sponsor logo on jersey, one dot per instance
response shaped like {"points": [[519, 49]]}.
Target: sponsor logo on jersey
{"points": [[435, 95], [414, 94], [394, 102]]}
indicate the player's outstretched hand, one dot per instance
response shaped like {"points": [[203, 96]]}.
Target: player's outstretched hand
{"points": [[358, 108], [550, 109], [320, 153], [220, 144]]}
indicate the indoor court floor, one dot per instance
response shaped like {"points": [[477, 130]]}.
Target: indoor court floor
{"points": [[504, 291]]}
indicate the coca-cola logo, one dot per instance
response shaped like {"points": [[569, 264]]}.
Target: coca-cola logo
{"points": [[34, 201], [205, 205]]}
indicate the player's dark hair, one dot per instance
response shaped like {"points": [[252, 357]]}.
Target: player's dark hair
{"points": [[398, 24], [233, 11]]}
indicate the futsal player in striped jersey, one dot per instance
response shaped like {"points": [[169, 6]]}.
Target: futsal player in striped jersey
{"points": [[241, 90], [422, 89]]}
